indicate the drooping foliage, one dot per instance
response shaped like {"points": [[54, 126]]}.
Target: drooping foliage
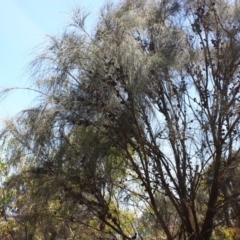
{"points": [[136, 123]]}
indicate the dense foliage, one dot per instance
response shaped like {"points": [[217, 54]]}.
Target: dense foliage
{"points": [[135, 131]]}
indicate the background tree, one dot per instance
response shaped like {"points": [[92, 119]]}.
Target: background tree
{"points": [[139, 109]]}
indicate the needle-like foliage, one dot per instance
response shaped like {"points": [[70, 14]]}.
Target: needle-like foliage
{"points": [[139, 117]]}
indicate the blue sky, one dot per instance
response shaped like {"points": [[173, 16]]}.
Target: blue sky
{"points": [[24, 25]]}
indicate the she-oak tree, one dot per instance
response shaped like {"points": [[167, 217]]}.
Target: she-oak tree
{"points": [[143, 112]]}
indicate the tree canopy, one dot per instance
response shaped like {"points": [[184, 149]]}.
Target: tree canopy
{"points": [[135, 130]]}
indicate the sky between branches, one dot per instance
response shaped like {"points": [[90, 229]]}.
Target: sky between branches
{"points": [[24, 25]]}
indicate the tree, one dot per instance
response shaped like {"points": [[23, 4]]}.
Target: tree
{"points": [[227, 217], [54, 197], [139, 109]]}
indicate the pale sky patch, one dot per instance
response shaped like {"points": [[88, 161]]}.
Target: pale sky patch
{"points": [[23, 26]]}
